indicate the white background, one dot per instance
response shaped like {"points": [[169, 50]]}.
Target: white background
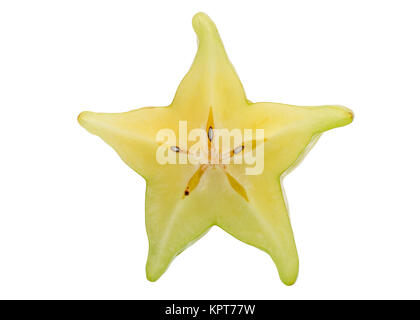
{"points": [[72, 213]]}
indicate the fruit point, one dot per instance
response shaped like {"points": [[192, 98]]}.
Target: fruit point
{"points": [[184, 200]]}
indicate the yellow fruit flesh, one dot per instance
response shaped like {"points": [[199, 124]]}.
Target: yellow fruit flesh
{"points": [[184, 200]]}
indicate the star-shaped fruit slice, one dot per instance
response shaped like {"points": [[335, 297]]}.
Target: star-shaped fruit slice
{"points": [[194, 184]]}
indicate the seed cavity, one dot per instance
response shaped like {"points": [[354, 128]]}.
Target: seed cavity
{"points": [[194, 180], [175, 149], [240, 190]]}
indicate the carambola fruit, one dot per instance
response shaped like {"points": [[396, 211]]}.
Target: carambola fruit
{"points": [[184, 200]]}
